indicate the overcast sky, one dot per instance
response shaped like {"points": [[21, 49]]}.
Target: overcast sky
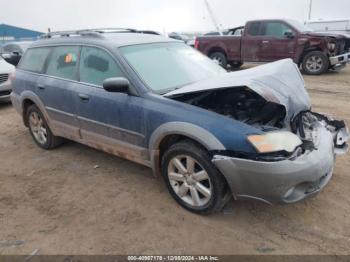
{"points": [[159, 15]]}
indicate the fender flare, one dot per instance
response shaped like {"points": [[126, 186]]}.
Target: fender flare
{"points": [[36, 100], [217, 48], [197, 133]]}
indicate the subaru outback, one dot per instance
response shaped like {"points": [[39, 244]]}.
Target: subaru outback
{"points": [[158, 102]]}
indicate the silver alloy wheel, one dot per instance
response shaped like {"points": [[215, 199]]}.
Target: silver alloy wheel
{"points": [[189, 180], [217, 59], [38, 128], [314, 63]]}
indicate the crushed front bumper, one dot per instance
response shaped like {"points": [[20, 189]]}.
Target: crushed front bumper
{"points": [[286, 181], [340, 59], [5, 91]]}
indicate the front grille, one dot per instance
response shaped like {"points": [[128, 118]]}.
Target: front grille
{"points": [[341, 47], [3, 78], [5, 93]]}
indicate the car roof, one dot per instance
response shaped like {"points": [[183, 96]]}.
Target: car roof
{"points": [[268, 20], [104, 39], [20, 43]]}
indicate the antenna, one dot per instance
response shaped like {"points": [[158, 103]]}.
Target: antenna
{"points": [[310, 10], [211, 14]]}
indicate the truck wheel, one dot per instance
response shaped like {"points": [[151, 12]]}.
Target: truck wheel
{"points": [[235, 64], [192, 179], [315, 63], [220, 58], [39, 129]]}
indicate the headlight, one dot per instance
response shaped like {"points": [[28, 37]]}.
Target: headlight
{"points": [[275, 141]]}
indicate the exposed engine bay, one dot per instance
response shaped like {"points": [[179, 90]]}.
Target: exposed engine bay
{"points": [[241, 104], [245, 105], [273, 99]]}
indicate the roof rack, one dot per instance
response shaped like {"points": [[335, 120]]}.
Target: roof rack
{"points": [[114, 30], [97, 32]]}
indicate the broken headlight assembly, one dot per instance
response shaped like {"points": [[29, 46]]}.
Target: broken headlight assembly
{"points": [[275, 141], [331, 46]]}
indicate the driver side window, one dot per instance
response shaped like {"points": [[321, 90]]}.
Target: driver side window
{"points": [[276, 29], [97, 65]]}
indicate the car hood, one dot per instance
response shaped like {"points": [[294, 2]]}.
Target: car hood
{"points": [[279, 82], [6, 68], [334, 34], [324, 34]]}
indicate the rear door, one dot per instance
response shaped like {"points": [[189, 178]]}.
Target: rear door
{"points": [[57, 90], [111, 121]]}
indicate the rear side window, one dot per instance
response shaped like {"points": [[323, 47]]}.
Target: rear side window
{"points": [[254, 28], [34, 59], [97, 65], [276, 29], [64, 62]]}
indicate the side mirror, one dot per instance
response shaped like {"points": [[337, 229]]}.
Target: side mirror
{"points": [[289, 34], [116, 85]]}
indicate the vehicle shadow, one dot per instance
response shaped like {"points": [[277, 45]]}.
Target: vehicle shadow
{"points": [[4, 105]]}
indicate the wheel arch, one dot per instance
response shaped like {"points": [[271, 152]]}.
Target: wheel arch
{"points": [[308, 50], [27, 99], [26, 103], [170, 133], [217, 49]]}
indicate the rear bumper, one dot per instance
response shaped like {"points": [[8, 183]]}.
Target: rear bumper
{"points": [[5, 91], [340, 59], [283, 182]]}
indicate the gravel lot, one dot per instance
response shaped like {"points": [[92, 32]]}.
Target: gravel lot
{"points": [[76, 200]]}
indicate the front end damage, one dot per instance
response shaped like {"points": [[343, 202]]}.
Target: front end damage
{"points": [[289, 178], [273, 99]]}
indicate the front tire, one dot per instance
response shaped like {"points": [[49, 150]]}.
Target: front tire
{"points": [[236, 65], [220, 58], [315, 63], [192, 179], [39, 129]]}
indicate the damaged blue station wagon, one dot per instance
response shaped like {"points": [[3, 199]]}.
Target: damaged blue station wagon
{"points": [[156, 101]]}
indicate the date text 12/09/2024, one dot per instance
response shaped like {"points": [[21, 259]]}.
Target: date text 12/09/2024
{"points": [[173, 258]]}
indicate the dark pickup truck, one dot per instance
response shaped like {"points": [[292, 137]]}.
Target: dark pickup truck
{"points": [[271, 40]]}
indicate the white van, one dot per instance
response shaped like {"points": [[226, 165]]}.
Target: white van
{"points": [[340, 26]]}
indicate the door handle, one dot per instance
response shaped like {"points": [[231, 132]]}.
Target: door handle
{"points": [[41, 87], [265, 42], [84, 97]]}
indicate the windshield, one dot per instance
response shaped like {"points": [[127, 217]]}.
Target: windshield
{"points": [[299, 26], [167, 66]]}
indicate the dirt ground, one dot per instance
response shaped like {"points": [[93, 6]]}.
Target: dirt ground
{"points": [[60, 202]]}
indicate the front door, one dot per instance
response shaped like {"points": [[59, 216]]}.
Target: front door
{"points": [[278, 41], [113, 122]]}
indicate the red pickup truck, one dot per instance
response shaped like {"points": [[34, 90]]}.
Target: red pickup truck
{"points": [[271, 40]]}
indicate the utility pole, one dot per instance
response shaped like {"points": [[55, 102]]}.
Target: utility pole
{"points": [[310, 10], [212, 17]]}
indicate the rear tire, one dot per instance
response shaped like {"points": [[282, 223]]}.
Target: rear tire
{"points": [[39, 129], [192, 179], [220, 58], [315, 63]]}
